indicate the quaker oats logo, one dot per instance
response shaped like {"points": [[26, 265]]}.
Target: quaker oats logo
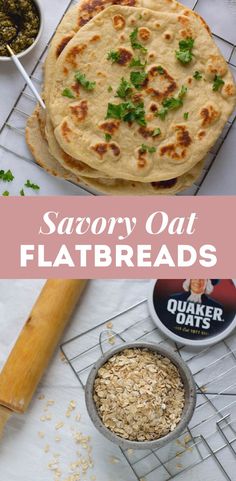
{"points": [[195, 309]]}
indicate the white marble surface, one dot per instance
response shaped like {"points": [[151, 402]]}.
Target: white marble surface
{"points": [[220, 14], [22, 456]]}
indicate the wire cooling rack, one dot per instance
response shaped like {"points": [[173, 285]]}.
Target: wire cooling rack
{"points": [[12, 134], [208, 446]]}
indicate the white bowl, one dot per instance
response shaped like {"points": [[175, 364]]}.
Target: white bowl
{"points": [[25, 52]]}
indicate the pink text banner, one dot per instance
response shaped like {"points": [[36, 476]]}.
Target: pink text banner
{"points": [[117, 237]]}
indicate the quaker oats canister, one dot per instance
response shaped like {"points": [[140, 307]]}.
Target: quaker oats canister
{"points": [[195, 312]]}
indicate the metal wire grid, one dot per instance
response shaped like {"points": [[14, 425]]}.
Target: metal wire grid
{"points": [[209, 443], [12, 132]]}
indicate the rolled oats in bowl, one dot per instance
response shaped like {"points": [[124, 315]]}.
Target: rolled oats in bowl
{"points": [[140, 395]]}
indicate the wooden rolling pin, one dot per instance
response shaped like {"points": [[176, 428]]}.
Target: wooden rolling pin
{"points": [[35, 345]]}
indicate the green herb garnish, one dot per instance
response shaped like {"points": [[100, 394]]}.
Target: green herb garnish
{"points": [[30, 185], [186, 114], [108, 137], [172, 103], [138, 79], [68, 93], [134, 41], [156, 132], [6, 193], [114, 56], [124, 89], [145, 148], [184, 54], [197, 75], [81, 79], [6, 176], [136, 62], [218, 83], [110, 88], [160, 70], [128, 112], [22, 192]]}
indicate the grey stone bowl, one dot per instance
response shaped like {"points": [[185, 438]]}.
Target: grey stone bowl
{"points": [[190, 397]]}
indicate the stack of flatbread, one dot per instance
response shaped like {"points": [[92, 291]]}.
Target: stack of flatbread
{"points": [[136, 94]]}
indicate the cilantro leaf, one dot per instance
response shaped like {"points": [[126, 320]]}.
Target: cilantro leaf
{"points": [[156, 132], [134, 41], [6, 176], [218, 83], [68, 93], [136, 62], [138, 79], [128, 112], [186, 114], [110, 88], [108, 137], [124, 89], [160, 70], [6, 193], [145, 148], [82, 80], [197, 75], [30, 185], [22, 192], [114, 56], [184, 54], [172, 103]]}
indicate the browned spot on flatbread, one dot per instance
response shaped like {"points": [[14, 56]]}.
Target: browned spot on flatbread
{"points": [[201, 134], [95, 38], [110, 127], [153, 107], [183, 20], [137, 97], [216, 65], [80, 111], [115, 149], [125, 56], [146, 132], [73, 162], [178, 150], [168, 36], [66, 131], [65, 71], [76, 88], [73, 52], [118, 22], [90, 8], [142, 161], [168, 87], [209, 115], [229, 90], [165, 184], [187, 33], [100, 149], [190, 80], [144, 34], [63, 43]]}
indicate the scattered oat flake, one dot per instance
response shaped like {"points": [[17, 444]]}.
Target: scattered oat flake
{"points": [[130, 451], [179, 465], [50, 402], [58, 438], [47, 448], [41, 396], [59, 425], [41, 434], [187, 438], [203, 389], [109, 325], [78, 417], [114, 460], [43, 418]]}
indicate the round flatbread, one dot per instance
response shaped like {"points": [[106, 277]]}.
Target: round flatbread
{"points": [[37, 143], [166, 124], [73, 20]]}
